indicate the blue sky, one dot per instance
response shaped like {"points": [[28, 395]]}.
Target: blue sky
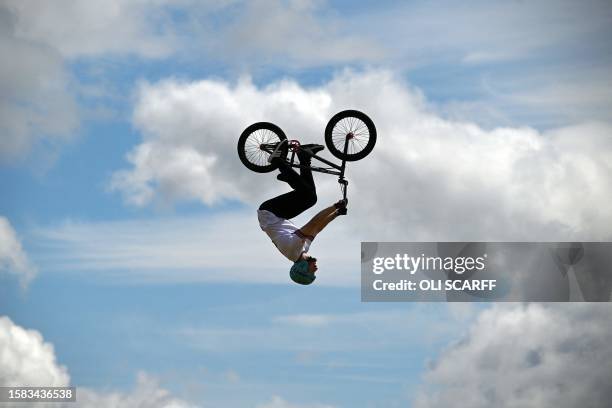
{"points": [[130, 241]]}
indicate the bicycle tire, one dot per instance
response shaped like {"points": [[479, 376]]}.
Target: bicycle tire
{"points": [[249, 150], [353, 122]]}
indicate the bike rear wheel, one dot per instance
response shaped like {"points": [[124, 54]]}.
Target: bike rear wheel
{"points": [[257, 142], [353, 128]]}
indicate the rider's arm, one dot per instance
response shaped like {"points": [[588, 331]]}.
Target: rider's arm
{"points": [[320, 221]]}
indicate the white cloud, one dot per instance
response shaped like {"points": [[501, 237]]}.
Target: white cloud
{"points": [[459, 313], [568, 98], [77, 28], [26, 359], [535, 355], [13, 258], [328, 333], [298, 33], [279, 402], [37, 102], [204, 249], [37, 93], [542, 63], [146, 394], [162, 167], [34, 102], [488, 32], [544, 96], [207, 248], [306, 320], [443, 180]]}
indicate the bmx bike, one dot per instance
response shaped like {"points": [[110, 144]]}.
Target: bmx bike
{"points": [[350, 135]]}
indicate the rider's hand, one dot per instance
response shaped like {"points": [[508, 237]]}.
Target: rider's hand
{"points": [[341, 204]]}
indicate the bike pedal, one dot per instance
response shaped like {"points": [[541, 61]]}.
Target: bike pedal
{"points": [[277, 151]]}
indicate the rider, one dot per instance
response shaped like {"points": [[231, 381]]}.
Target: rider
{"points": [[274, 214]]}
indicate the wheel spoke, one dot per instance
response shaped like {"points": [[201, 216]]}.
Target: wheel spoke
{"points": [[352, 125], [266, 136], [252, 146], [347, 122], [344, 126], [357, 142], [250, 157], [254, 158], [353, 130], [263, 157], [357, 128]]}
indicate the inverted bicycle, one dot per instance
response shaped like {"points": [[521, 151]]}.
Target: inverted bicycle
{"points": [[350, 135]]}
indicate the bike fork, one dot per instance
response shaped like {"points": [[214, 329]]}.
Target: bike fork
{"points": [[342, 180], [344, 184]]}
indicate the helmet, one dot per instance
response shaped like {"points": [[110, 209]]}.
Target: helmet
{"points": [[299, 273]]}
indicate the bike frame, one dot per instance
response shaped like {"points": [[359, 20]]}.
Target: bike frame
{"points": [[339, 169]]}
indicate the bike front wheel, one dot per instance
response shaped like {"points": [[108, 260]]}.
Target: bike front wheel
{"points": [[257, 142], [350, 135]]}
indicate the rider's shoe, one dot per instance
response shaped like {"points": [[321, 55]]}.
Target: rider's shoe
{"points": [[310, 148], [282, 177], [277, 151], [341, 211]]}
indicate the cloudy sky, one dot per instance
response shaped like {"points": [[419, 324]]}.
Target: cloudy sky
{"points": [[131, 261]]}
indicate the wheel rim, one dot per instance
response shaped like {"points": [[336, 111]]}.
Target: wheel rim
{"points": [[357, 131], [252, 150]]}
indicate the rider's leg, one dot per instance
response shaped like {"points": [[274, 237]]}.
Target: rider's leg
{"points": [[294, 203], [298, 182], [290, 204]]}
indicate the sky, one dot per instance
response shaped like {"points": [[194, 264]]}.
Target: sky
{"points": [[131, 261]]}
